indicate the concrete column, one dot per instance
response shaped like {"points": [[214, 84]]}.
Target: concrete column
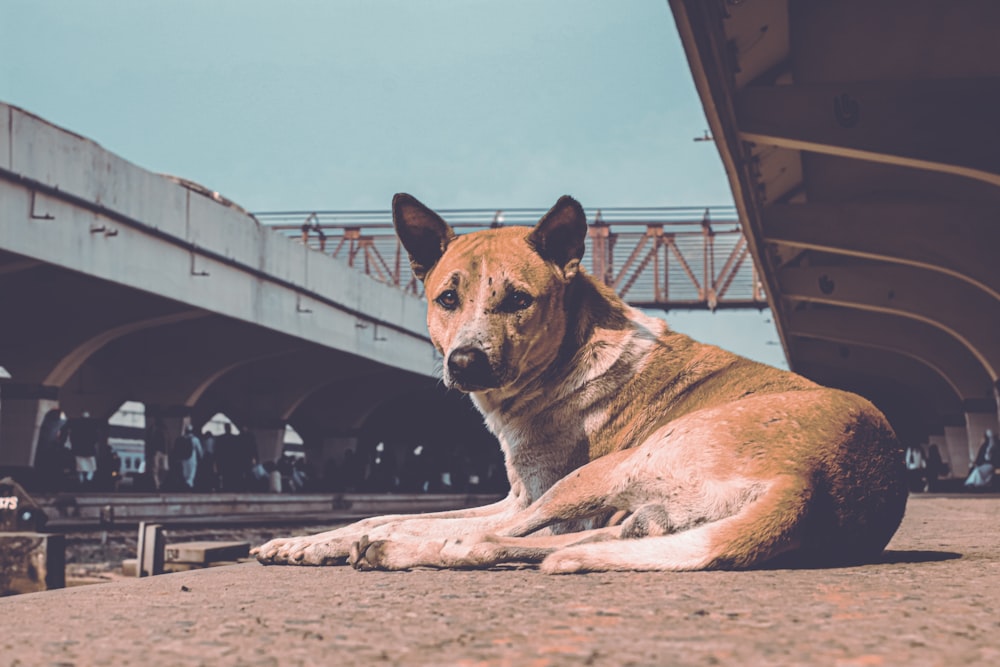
{"points": [[957, 441], [23, 409], [173, 427], [270, 442], [173, 418], [334, 446], [333, 449]]}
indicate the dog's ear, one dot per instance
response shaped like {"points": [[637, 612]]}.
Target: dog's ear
{"points": [[422, 232], [560, 235]]}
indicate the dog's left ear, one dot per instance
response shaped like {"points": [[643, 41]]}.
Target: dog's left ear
{"points": [[560, 235], [421, 231]]}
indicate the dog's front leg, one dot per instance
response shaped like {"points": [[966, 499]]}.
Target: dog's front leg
{"points": [[333, 547], [472, 551], [405, 553]]}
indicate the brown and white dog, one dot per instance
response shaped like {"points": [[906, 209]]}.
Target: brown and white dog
{"points": [[628, 446]]}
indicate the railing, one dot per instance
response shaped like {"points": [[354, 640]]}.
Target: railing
{"points": [[654, 257]]}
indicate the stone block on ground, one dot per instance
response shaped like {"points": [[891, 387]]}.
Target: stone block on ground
{"points": [[187, 567], [205, 553], [31, 562], [130, 567]]}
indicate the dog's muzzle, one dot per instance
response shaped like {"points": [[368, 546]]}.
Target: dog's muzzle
{"points": [[469, 369]]}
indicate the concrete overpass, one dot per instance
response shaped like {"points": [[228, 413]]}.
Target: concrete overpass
{"points": [[860, 139], [119, 284]]}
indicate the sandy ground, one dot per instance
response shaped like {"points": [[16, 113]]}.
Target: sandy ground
{"points": [[933, 600]]}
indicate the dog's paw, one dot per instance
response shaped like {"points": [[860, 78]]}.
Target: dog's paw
{"points": [[275, 552], [566, 561], [368, 555], [299, 551]]}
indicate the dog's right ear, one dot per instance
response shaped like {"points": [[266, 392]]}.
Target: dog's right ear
{"points": [[422, 232]]}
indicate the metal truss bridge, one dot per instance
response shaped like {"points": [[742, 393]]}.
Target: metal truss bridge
{"points": [[654, 257]]}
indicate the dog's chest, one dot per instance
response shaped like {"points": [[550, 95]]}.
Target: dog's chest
{"points": [[541, 450]]}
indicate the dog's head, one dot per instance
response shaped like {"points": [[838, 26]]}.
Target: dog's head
{"points": [[495, 297]]}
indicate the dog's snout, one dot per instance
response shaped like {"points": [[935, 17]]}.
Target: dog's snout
{"points": [[470, 369]]}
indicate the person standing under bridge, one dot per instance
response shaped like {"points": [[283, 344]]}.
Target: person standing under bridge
{"points": [[984, 467], [157, 463]]}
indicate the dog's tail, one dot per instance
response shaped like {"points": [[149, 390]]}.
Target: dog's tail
{"points": [[760, 531]]}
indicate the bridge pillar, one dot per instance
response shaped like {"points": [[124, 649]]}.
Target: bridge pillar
{"points": [[22, 410], [171, 419], [270, 442], [333, 452], [957, 441]]}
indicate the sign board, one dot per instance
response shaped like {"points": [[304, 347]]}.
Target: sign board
{"points": [[18, 512]]}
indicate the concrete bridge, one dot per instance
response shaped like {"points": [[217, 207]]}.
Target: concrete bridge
{"points": [[119, 284], [861, 146]]}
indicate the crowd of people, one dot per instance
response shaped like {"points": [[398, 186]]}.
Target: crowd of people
{"points": [[74, 454], [206, 462], [408, 468], [926, 470]]}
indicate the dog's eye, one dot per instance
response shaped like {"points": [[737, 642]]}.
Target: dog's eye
{"points": [[448, 299], [516, 301]]}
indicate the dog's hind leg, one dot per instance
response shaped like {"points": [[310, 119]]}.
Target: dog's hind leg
{"points": [[764, 528]]}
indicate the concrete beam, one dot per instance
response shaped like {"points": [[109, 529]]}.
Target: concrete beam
{"points": [[927, 344], [970, 316], [946, 125], [62, 318], [12, 264], [69, 364], [862, 360], [166, 364], [23, 412], [267, 391], [877, 230], [343, 407]]}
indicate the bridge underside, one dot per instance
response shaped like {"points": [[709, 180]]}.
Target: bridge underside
{"points": [[861, 143], [87, 345], [117, 284]]}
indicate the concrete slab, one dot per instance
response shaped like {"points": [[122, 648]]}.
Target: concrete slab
{"points": [[202, 552], [933, 600]]}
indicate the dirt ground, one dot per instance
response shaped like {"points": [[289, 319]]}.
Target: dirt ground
{"points": [[932, 600]]}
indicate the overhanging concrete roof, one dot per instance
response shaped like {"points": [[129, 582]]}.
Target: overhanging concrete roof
{"points": [[862, 145]]}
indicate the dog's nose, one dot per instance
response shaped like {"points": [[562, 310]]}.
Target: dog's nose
{"points": [[470, 369]]}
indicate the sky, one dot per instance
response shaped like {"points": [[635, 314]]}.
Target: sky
{"points": [[338, 104]]}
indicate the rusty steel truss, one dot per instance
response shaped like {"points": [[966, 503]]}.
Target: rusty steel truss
{"points": [[654, 257]]}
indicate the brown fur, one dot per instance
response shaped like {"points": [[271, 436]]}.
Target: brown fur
{"points": [[627, 445]]}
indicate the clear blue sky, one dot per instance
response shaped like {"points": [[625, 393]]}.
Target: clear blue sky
{"points": [[338, 104]]}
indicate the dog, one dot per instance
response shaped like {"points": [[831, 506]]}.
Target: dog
{"points": [[628, 446]]}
